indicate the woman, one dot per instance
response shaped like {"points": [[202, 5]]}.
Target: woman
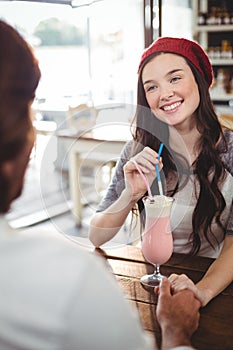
{"points": [[174, 107]]}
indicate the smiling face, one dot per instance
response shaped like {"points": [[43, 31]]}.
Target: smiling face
{"points": [[171, 90]]}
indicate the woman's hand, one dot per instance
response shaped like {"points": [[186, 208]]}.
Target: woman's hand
{"points": [[213, 282], [146, 160], [182, 282]]}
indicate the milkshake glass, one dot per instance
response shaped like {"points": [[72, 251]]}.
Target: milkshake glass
{"points": [[157, 240]]}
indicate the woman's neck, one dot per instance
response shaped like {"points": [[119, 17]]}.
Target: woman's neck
{"points": [[185, 142]]}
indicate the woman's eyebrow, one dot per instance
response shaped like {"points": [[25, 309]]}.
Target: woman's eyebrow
{"points": [[169, 73], [174, 71], [148, 81]]}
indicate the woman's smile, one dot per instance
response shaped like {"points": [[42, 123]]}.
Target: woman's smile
{"points": [[173, 107]]}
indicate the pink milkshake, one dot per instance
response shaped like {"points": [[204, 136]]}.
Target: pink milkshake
{"points": [[157, 243], [157, 240]]}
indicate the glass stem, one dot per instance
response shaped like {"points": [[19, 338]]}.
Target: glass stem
{"points": [[157, 270]]}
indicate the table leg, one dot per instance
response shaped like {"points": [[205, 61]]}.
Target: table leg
{"points": [[75, 192]]}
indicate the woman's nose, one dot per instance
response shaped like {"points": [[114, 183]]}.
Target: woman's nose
{"points": [[166, 93]]}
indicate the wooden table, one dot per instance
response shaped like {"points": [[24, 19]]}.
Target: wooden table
{"points": [[215, 331]]}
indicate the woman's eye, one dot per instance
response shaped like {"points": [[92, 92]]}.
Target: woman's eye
{"points": [[151, 88], [175, 79]]}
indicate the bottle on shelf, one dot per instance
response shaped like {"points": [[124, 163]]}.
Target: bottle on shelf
{"points": [[223, 82], [217, 52], [201, 19], [225, 18], [219, 16], [210, 52], [212, 16], [226, 49], [216, 16]]}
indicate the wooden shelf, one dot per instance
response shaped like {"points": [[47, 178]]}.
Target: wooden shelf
{"points": [[214, 28], [211, 36], [219, 97], [222, 62]]}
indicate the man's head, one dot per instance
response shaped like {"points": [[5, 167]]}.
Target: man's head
{"points": [[20, 75]]}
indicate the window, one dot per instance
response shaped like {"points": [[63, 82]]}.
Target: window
{"points": [[86, 54], [176, 18]]}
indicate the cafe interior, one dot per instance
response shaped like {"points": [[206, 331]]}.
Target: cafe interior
{"points": [[88, 52], [88, 87]]}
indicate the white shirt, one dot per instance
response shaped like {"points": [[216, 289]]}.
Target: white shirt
{"points": [[55, 295]]}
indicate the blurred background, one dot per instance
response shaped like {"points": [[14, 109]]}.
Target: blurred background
{"points": [[88, 52]]}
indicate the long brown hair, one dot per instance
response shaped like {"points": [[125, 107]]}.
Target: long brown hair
{"points": [[150, 131], [19, 78]]}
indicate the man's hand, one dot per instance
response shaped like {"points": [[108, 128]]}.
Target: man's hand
{"points": [[178, 315]]}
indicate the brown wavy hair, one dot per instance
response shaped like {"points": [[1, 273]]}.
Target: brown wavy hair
{"points": [[150, 131], [20, 75]]}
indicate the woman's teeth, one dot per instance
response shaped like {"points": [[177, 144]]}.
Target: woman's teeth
{"points": [[171, 107]]}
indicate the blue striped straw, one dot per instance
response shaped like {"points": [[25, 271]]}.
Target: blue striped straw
{"points": [[157, 171]]}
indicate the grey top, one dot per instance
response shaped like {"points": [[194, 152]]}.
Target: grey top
{"points": [[185, 201]]}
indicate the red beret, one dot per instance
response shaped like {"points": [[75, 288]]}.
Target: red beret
{"points": [[190, 50]]}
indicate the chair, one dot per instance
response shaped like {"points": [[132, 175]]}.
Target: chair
{"points": [[111, 122], [83, 119], [42, 127]]}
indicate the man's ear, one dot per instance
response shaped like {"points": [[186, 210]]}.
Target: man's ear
{"points": [[7, 168]]}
